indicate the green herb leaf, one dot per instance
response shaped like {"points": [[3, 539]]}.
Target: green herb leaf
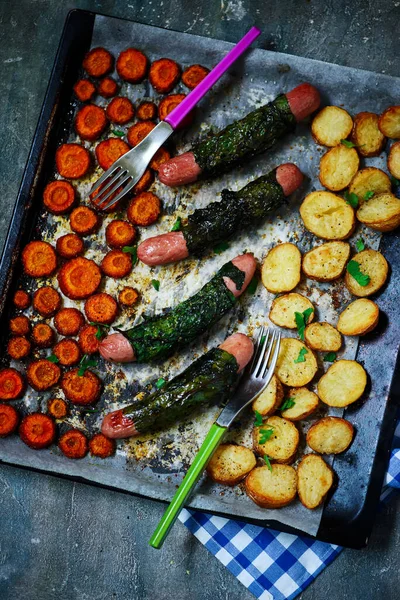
{"points": [[288, 403], [349, 144], [266, 434], [351, 199], [101, 329], [118, 133], [353, 267], [251, 288], [156, 284], [394, 180], [368, 195], [177, 225], [221, 247], [301, 356], [302, 320], [119, 215], [53, 358], [360, 246], [160, 382], [330, 357], [258, 421], [85, 363], [133, 251], [268, 462]]}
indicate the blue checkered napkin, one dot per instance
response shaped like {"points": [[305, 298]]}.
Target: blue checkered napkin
{"points": [[273, 565]]}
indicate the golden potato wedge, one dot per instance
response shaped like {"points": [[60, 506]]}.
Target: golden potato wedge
{"points": [[373, 264], [360, 317], [367, 135], [322, 337], [314, 480], [326, 262], [272, 488], [389, 122], [283, 443], [381, 212], [296, 364], [327, 216], [270, 399], [305, 403], [338, 167], [369, 179], [230, 464], [394, 160], [284, 307], [343, 383], [331, 125], [280, 271], [330, 435]]}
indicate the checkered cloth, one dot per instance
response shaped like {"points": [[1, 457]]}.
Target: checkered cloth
{"points": [[274, 565]]}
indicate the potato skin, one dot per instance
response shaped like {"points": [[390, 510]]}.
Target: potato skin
{"points": [[359, 318], [306, 402], [280, 271], [394, 160], [283, 444], [338, 166], [330, 435], [313, 469], [327, 215], [343, 383], [331, 125], [322, 337], [389, 122], [230, 464], [270, 399], [291, 373], [326, 262], [369, 179], [366, 134], [371, 263], [381, 212], [272, 488], [283, 309]]}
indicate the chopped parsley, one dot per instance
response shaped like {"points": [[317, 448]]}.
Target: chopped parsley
{"points": [[101, 329], [330, 357], [156, 284], [288, 403], [353, 267], [258, 421], [266, 434], [368, 195], [85, 363], [221, 247], [301, 356], [177, 225], [394, 180], [302, 320], [268, 462], [133, 251], [118, 133], [160, 382], [53, 358], [349, 144], [360, 246], [351, 198]]}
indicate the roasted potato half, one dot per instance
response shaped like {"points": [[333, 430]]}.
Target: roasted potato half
{"points": [[381, 212], [331, 125], [373, 264], [282, 444], [314, 480], [330, 435], [326, 262], [230, 464], [284, 307], [394, 160], [327, 216], [338, 167], [305, 403], [270, 399], [366, 134], [322, 337], [389, 122], [343, 383], [296, 364], [360, 317], [369, 179], [272, 488], [280, 271]]}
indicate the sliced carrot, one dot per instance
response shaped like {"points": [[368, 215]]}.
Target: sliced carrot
{"points": [[108, 151], [119, 234], [168, 104], [70, 245], [164, 75], [101, 446], [192, 76], [90, 122], [117, 264], [68, 352], [144, 209], [132, 65], [20, 325], [47, 301], [73, 444], [18, 347], [84, 220], [37, 431], [21, 299], [89, 340], [42, 335], [9, 419], [68, 321], [107, 87], [128, 296], [79, 278], [160, 157], [144, 182], [39, 259], [98, 62], [84, 90], [12, 384], [42, 374], [120, 110], [72, 161], [59, 197], [101, 308], [57, 408], [137, 132], [146, 111], [81, 389]]}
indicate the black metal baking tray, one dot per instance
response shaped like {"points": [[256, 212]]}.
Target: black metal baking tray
{"points": [[349, 513]]}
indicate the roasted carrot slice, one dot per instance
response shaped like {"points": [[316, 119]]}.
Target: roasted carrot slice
{"points": [[57, 408], [144, 182], [137, 132], [39, 259], [128, 296], [144, 209], [47, 301], [119, 234], [101, 308], [70, 245], [146, 111], [192, 76], [84, 220], [12, 384], [84, 90], [72, 161], [73, 444], [37, 431], [164, 75], [107, 87], [18, 347], [116, 264], [160, 157], [68, 321], [89, 339], [108, 151], [68, 352], [9, 419], [90, 122], [21, 299], [79, 278], [101, 446], [168, 104], [120, 110], [59, 197], [20, 325], [81, 389], [98, 62], [42, 335], [42, 374], [132, 65]]}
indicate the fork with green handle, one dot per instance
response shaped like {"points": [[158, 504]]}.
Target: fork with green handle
{"points": [[253, 382]]}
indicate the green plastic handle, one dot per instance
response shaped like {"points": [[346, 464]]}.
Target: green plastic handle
{"points": [[206, 451]]}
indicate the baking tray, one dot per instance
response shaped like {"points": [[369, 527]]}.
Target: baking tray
{"points": [[348, 515]]}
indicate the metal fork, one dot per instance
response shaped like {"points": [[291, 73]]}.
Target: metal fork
{"points": [[253, 382], [120, 178]]}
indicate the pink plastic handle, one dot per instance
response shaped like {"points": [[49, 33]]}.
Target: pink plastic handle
{"points": [[179, 113]]}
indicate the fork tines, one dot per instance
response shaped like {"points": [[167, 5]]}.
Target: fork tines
{"points": [[111, 187], [266, 352]]}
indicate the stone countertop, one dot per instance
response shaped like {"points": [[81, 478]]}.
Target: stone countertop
{"points": [[69, 541]]}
